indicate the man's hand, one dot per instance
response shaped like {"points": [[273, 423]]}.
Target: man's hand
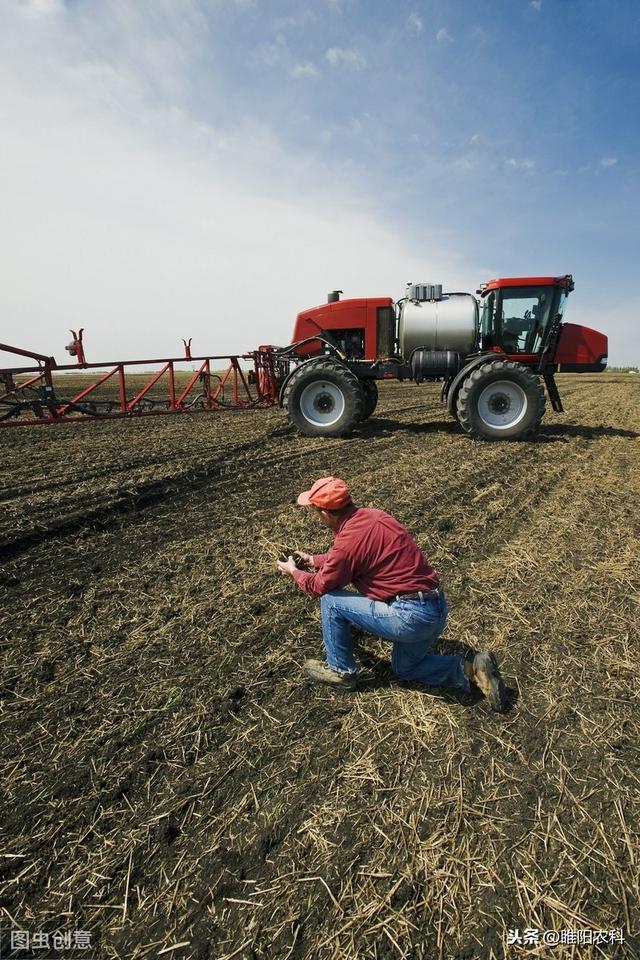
{"points": [[307, 558], [287, 566]]}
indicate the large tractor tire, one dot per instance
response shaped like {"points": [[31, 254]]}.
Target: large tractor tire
{"points": [[500, 400], [370, 390], [324, 399]]}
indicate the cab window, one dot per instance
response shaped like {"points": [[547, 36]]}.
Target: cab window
{"points": [[524, 313]]}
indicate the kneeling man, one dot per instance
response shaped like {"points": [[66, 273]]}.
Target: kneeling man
{"points": [[398, 598]]}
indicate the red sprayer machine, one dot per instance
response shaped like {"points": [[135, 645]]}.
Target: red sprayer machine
{"points": [[495, 353]]}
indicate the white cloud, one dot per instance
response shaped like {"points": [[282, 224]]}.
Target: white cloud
{"points": [[537, 5], [465, 164], [353, 59], [443, 36], [34, 9], [307, 69], [522, 163], [475, 138], [144, 224], [608, 162], [414, 21], [480, 36], [274, 54], [302, 18]]}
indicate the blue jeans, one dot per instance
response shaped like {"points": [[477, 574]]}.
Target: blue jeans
{"points": [[412, 625]]}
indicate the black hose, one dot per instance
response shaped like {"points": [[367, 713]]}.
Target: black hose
{"points": [[300, 343]]}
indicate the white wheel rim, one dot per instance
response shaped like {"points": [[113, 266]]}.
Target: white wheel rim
{"points": [[322, 403], [502, 404]]}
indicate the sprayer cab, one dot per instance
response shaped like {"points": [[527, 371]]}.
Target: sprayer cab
{"points": [[522, 317]]}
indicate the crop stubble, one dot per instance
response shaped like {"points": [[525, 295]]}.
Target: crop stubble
{"points": [[170, 778]]}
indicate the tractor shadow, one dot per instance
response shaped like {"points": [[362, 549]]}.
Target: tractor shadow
{"points": [[552, 433], [377, 675], [548, 433], [380, 427]]}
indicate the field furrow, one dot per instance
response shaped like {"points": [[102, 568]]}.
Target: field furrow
{"points": [[170, 778]]}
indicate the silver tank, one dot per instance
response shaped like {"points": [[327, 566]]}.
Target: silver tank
{"points": [[447, 324]]}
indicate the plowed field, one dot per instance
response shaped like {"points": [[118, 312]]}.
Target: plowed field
{"points": [[172, 784]]}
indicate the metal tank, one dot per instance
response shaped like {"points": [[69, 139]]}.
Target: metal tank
{"points": [[449, 323]]}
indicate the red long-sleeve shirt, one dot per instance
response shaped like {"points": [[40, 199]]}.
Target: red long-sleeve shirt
{"points": [[375, 553]]}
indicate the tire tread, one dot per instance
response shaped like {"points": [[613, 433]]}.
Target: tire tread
{"points": [[463, 405], [350, 383]]}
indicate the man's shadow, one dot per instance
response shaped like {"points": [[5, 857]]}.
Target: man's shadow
{"points": [[378, 674]]}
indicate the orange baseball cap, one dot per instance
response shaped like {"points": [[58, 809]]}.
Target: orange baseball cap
{"points": [[328, 493]]}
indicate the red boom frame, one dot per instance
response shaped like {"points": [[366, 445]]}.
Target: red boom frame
{"points": [[235, 389]]}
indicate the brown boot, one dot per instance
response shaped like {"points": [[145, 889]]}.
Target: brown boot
{"points": [[483, 671], [319, 672]]}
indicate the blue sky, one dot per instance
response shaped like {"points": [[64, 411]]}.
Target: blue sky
{"points": [[207, 168]]}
